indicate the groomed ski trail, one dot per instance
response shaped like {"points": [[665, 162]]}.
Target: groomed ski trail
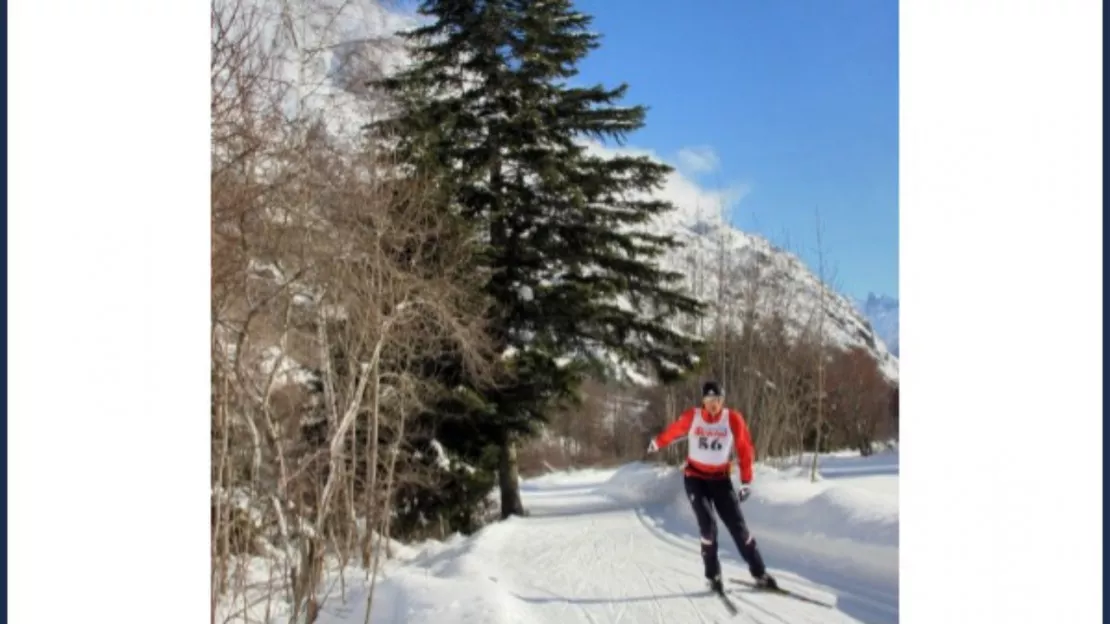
{"points": [[583, 556]]}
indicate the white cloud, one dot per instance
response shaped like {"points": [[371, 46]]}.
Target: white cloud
{"points": [[698, 159], [693, 200]]}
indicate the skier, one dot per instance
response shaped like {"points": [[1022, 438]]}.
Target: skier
{"points": [[712, 431]]}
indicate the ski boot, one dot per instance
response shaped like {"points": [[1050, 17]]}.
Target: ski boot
{"points": [[766, 581], [715, 585]]}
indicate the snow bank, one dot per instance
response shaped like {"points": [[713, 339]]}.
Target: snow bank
{"points": [[845, 464], [856, 508], [782, 499], [643, 483], [585, 477], [446, 582], [787, 500]]}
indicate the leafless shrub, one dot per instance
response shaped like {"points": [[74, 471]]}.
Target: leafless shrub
{"points": [[333, 282]]}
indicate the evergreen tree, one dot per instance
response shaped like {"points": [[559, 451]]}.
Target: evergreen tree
{"points": [[572, 275]]}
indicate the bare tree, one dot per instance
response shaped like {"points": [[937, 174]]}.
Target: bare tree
{"points": [[333, 282], [822, 354]]}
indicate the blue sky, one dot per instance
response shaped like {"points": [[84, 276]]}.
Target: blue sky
{"points": [[798, 101]]}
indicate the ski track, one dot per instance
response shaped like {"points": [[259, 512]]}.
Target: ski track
{"points": [[582, 557], [621, 547]]}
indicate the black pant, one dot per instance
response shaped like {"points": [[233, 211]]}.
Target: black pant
{"points": [[706, 494]]}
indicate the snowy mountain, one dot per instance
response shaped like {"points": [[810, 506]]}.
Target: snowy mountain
{"points": [[882, 312], [724, 264], [787, 284]]}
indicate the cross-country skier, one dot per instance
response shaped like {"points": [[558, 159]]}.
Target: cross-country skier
{"points": [[713, 431]]}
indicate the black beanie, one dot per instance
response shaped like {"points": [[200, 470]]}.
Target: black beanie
{"points": [[711, 389]]}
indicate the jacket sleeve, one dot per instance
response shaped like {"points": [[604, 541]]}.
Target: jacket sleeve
{"points": [[745, 451], [676, 430]]}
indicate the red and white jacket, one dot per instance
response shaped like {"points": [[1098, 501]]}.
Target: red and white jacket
{"points": [[711, 440]]}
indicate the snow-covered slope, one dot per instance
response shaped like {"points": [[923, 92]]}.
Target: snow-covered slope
{"points": [[882, 311], [622, 546], [724, 264]]}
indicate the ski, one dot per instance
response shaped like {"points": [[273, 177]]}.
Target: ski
{"points": [[731, 606], [782, 592]]}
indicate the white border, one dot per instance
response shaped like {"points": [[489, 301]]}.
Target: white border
{"points": [[108, 311], [1001, 273], [1001, 290]]}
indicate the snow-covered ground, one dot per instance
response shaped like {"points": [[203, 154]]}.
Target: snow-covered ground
{"points": [[621, 546]]}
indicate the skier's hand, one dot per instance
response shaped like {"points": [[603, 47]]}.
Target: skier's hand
{"points": [[652, 447], [744, 492]]}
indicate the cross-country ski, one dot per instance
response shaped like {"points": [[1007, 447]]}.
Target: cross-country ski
{"points": [[782, 591]]}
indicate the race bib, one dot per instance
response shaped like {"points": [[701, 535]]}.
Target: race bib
{"points": [[710, 443]]}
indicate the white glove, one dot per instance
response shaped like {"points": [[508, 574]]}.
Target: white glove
{"points": [[652, 447], [743, 493]]}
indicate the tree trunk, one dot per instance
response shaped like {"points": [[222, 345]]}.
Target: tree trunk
{"points": [[508, 474]]}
